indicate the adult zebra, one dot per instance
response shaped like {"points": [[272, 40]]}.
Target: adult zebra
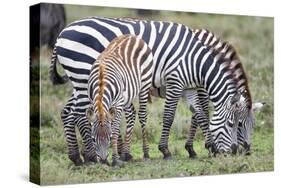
{"points": [[181, 62], [122, 72], [246, 119], [199, 100]]}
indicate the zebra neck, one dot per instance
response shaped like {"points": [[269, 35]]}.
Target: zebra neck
{"points": [[218, 81]]}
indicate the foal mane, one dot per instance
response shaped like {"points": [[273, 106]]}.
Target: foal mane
{"points": [[99, 98]]}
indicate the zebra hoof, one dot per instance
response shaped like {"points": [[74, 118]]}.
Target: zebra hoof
{"points": [[76, 159], [169, 157], [118, 163], [146, 157], [166, 153], [192, 154], [248, 153], [78, 162], [126, 157]]}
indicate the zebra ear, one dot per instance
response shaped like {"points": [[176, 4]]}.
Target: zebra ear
{"points": [[257, 106], [90, 114]]}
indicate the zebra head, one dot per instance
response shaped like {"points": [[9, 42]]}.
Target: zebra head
{"points": [[246, 124], [101, 132], [224, 125]]}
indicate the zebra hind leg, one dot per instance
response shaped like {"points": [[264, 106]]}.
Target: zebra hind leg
{"points": [[89, 153], [190, 139], [70, 134]]}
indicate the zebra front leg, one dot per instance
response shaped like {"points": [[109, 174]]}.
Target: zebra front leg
{"points": [[198, 100], [85, 131], [120, 144], [130, 114], [200, 119], [209, 143], [70, 135], [173, 94], [115, 133]]}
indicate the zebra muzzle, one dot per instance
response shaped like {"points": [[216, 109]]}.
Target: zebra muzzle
{"points": [[234, 148], [247, 148]]}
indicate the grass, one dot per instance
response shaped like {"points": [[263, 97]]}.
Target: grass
{"points": [[253, 39], [57, 169]]}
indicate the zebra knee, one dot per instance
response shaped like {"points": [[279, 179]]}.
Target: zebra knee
{"points": [[126, 157]]}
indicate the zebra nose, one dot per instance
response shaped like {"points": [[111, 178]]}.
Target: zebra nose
{"points": [[234, 148], [247, 148], [105, 161]]}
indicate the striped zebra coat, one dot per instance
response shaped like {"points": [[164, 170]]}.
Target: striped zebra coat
{"points": [[246, 119], [181, 62], [121, 73], [199, 100]]}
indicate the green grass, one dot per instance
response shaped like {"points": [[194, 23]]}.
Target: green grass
{"points": [[253, 39], [57, 169]]}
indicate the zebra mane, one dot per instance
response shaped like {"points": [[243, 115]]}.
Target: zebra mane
{"points": [[228, 56], [112, 46], [99, 98]]}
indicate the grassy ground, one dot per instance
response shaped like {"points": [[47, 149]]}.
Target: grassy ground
{"points": [[253, 39]]}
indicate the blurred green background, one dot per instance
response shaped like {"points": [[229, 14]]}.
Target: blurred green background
{"points": [[253, 39]]}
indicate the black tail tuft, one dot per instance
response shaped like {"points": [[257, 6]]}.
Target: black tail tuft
{"points": [[55, 78]]}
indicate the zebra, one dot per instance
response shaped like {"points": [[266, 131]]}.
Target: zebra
{"points": [[246, 120], [199, 98], [122, 72], [181, 62]]}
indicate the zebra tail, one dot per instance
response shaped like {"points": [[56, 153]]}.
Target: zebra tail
{"points": [[55, 78]]}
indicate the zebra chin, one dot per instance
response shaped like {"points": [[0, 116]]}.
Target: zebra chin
{"points": [[102, 161]]}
